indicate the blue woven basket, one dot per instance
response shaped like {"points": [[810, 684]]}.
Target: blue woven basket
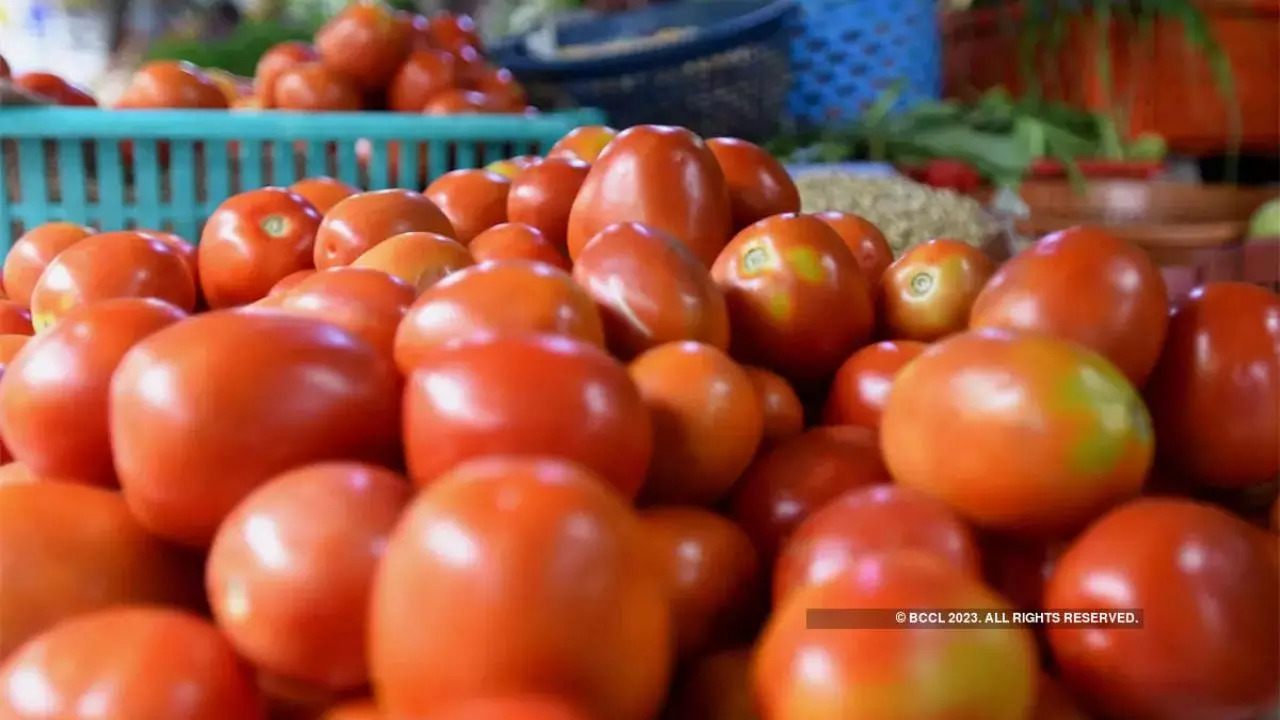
{"points": [[845, 53], [729, 77], [168, 170]]}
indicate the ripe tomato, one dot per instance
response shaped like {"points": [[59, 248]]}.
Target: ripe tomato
{"points": [[13, 472], [33, 252], [1017, 431], [1209, 592], [498, 83], [583, 143], [798, 303], [15, 319], [926, 294], [542, 196], [424, 74], [240, 405], [302, 613], [323, 192], [800, 475], [633, 181], [314, 87], [479, 300], [868, 244], [367, 303], [10, 346], [706, 421], [866, 521], [356, 224], [53, 399], [187, 251], [252, 241], [530, 707], [515, 241], [456, 101], [68, 549], [781, 407], [55, 88], [473, 200], [451, 32], [289, 282], [421, 259], [1086, 286], [861, 385], [129, 663], [278, 58], [715, 687], [111, 265], [651, 290], [510, 167], [1215, 393], [365, 43], [516, 616], [759, 186], [171, 84]]}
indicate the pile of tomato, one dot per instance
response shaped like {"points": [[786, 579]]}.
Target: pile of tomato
{"points": [[587, 436]]}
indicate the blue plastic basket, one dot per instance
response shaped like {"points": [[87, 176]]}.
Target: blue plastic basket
{"points": [[846, 53], [168, 170]]}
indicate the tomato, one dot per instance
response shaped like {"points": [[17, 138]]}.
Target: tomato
{"points": [[1017, 431], [15, 319], [1053, 702], [421, 259], [530, 707], [800, 475], [926, 294], [365, 43], [252, 241], [185, 250], [129, 663], [356, 224], [289, 282], [798, 303], [362, 709], [302, 612], [479, 300], [715, 687], [10, 346], [172, 84], [367, 303], [33, 251], [314, 87], [583, 143], [1208, 589], [241, 404], [473, 200], [456, 101], [866, 521], [759, 187], [425, 73], [1215, 392], [111, 265], [781, 408], [1086, 286], [323, 192], [13, 472], [542, 196], [512, 615], [664, 177], [451, 32], [515, 241], [510, 167], [499, 84], [869, 246], [53, 399], [651, 290], [55, 88], [861, 385], [68, 549], [277, 59]]}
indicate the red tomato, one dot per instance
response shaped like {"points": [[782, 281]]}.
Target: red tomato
{"points": [[111, 265], [861, 385], [241, 404], [866, 521], [314, 87], [451, 32], [323, 192], [10, 346], [187, 251], [510, 708], [289, 282], [510, 167], [360, 222], [512, 614], [874, 672], [367, 303], [514, 241], [926, 294], [651, 290], [172, 84], [129, 663], [759, 187], [542, 196], [15, 319], [1215, 393], [68, 549], [421, 259], [252, 241], [424, 74], [479, 300], [300, 610], [473, 200], [365, 43], [583, 143], [53, 399], [869, 246], [13, 472], [635, 180], [706, 421], [279, 58], [715, 687], [798, 476], [783, 412], [1017, 431], [1086, 286], [456, 101], [1208, 587], [56, 89], [499, 84], [798, 303], [33, 252]]}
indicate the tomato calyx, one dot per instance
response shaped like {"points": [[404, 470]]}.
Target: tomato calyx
{"points": [[275, 225], [756, 259], [921, 283]]}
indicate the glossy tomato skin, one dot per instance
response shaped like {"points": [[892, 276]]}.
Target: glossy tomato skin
{"points": [[927, 293], [632, 181], [542, 196], [15, 319], [360, 222], [715, 687], [53, 398], [242, 406], [367, 303], [33, 252], [185, 250], [1069, 439], [651, 290], [473, 200], [314, 87], [55, 88], [501, 85], [171, 84], [517, 618], [1208, 588], [515, 241], [861, 385], [522, 395], [1215, 392], [583, 143], [421, 259], [864, 239], [252, 241], [424, 74], [759, 186], [798, 303], [1087, 286], [456, 101], [781, 407], [130, 663], [278, 58], [323, 192], [365, 43], [530, 707]]}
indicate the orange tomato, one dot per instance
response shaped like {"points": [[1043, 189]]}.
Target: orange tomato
{"points": [[456, 101], [290, 281], [515, 241], [314, 87], [424, 74], [360, 222], [510, 167], [530, 707], [759, 186], [10, 345], [187, 251], [367, 303], [473, 200], [172, 84], [323, 192], [499, 84], [783, 412], [927, 293], [15, 319], [583, 143], [452, 32], [542, 196], [861, 385], [55, 88], [33, 252], [869, 246], [278, 58], [364, 43], [421, 259], [252, 241]]}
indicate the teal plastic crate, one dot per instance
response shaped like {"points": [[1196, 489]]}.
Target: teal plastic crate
{"points": [[169, 169]]}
